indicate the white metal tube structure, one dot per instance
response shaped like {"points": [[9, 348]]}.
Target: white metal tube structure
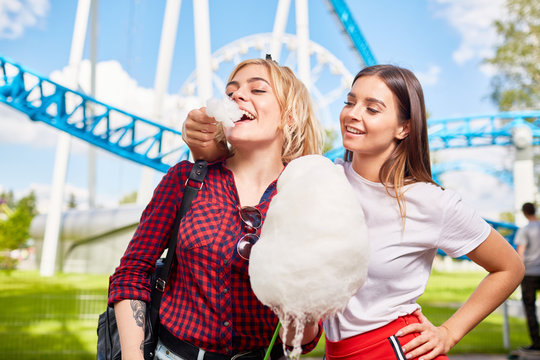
{"points": [[161, 83], [52, 227], [280, 22], [201, 24], [524, 187], [302, 33], [93, 60]]}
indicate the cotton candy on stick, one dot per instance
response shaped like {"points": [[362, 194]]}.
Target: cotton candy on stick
{"points": [[224, 110], [312, 254]]}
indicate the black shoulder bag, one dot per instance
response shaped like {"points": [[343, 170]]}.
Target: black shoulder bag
{"points": [[108, 344]]}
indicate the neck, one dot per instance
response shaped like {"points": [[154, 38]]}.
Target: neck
{"points": [[253, 171], [368, 167]]}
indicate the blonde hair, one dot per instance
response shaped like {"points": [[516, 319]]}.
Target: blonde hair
{"points": [[302, 132]]}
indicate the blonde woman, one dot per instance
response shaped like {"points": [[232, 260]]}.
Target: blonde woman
{"points": [[208, 310]]}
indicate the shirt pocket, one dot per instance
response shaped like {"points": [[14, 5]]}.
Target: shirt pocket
{"points": [[203, 224]]}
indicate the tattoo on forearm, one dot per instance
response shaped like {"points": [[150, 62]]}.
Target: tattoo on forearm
{"points": [[139, 310]]}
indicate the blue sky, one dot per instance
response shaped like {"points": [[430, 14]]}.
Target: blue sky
{"points": [[442, 41]]}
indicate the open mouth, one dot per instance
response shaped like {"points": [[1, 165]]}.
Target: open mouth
{"points": [[246, 116]]}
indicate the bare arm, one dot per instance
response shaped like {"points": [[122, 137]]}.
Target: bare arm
{"points": [[130, 317], [505, 273], [198, 132]]}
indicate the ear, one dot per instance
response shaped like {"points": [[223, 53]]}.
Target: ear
{"points": [[403, 130]]}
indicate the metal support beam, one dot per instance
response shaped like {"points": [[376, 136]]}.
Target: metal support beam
{"points": [[280, 22], [52, 228], [161, 83], [302, 33]]}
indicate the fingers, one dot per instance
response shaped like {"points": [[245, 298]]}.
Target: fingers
{"points": [[409, 329], [423, 348], [430, 342], [199, 129], [426, 346]]}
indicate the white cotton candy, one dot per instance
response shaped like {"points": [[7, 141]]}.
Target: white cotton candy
{"points": [[312, 255], [223, 110]]}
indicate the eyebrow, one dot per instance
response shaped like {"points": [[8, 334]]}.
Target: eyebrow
{"points": [[250, 80], [368, 99]]}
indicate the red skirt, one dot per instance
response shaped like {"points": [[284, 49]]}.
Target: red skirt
{"points": [[378, 344]]}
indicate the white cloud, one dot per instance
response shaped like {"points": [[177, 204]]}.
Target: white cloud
{"points": [[16, 15], [473, 19], [431, 77]]}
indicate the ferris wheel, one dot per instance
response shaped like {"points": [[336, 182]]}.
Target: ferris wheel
{"points": [[329, 78]]}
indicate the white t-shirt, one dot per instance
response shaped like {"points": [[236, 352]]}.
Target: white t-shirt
{"points": [[400, 262]]}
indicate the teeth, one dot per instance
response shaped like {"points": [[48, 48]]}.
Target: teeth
{"points": [[353, 130], [250, 116]]}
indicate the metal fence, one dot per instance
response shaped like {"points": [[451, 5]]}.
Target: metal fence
{"points": [[50, 325]]}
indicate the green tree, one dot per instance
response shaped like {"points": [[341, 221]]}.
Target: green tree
{"points": [[330, 139], [128, 198], [15, 229], [8, 199], [72, 201], [517, 59]]}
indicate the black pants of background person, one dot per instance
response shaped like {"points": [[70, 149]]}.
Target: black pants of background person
{"points": [[529, 286]]}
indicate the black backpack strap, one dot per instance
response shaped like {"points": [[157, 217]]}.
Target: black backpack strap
{"points": [[193, 184]]}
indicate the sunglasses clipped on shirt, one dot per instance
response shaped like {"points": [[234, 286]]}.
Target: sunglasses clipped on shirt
{"points": [[252, 218]]}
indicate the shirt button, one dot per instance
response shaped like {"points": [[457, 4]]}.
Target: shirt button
{"points": [[226, 323], [225, 290]]}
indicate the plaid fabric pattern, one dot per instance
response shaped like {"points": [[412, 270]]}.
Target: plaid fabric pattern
{"points": [[208, 300]]}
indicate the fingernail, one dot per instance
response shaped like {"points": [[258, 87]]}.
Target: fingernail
{"points": [[399, 333], [408, 356]]}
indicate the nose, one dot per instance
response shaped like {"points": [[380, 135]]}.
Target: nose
{"points": [[352, 113], [239, 95]]}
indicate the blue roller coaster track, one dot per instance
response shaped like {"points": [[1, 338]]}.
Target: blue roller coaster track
{"points": [[97, 123], [341, 10]]}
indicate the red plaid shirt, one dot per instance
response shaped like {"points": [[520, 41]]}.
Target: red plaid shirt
{"points": [[208, 300]]}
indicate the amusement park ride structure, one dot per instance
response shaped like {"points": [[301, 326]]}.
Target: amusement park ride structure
{"points": [[157, 146]]}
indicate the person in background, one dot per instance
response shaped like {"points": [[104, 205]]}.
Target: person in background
{"points": [[384, 131], [528, 247], [208, 310]]}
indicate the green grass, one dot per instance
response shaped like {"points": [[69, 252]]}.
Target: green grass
{"points": [[50, 318], [56, 317]]}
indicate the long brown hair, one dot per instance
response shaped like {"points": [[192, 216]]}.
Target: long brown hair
{"points": [[409, 162]]}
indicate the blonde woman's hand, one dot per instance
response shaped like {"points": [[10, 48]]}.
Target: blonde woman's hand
{"points": [[432, 341], [198, 132]]}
